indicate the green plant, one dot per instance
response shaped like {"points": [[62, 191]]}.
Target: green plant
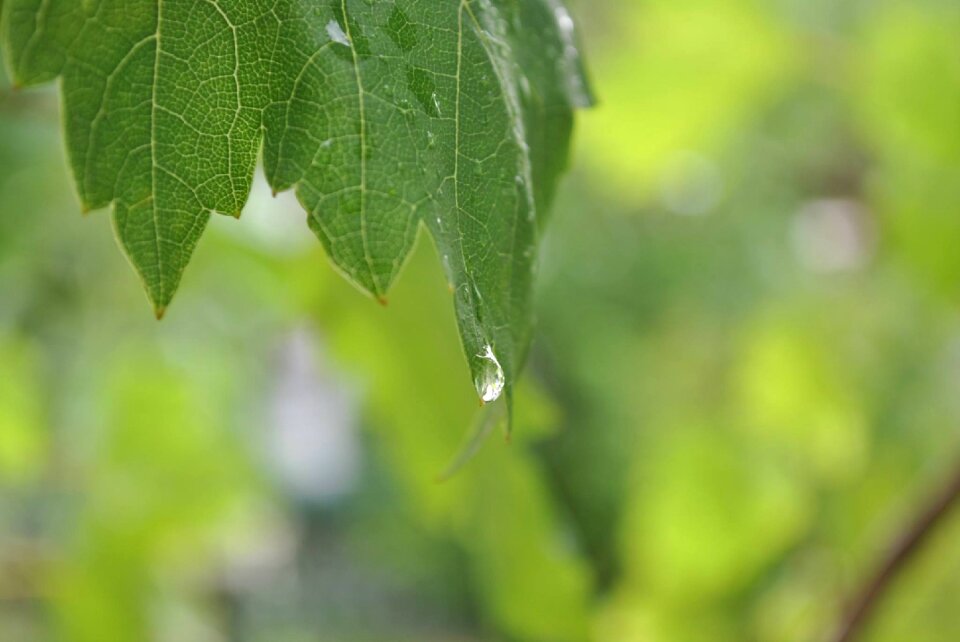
{"points": [[384, 117]]}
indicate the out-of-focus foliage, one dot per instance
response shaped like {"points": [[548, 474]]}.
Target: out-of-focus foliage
{"points": [[745, 377], [697, 70]]}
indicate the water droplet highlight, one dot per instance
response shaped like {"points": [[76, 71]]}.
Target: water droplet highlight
{"points": [[335, 31], [571, 66], [490, 382]]}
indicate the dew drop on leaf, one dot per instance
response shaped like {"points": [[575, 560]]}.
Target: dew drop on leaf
{"points": [[569, 62], [490, 380], [335, 31]]}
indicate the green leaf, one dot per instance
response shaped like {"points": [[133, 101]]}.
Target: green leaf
{"points": [[382, 116]]}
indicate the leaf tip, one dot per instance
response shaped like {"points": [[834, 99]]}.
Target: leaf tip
{"points": [[159, 311], [382, 300]]}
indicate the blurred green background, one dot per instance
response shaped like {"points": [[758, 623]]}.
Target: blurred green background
{"points": [[745, 379]]}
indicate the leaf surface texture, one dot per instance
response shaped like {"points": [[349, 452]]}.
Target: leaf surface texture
{"points": [[384, 117]]}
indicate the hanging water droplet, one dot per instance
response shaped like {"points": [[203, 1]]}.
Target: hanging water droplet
{"points": [[490, 380], [335, 31]]}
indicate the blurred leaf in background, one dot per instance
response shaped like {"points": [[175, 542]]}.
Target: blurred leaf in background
{"points": [[679, 77], [906, 95], [24, 445]]}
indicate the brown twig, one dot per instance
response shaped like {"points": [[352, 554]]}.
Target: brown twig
{"points": [[906, 545]]}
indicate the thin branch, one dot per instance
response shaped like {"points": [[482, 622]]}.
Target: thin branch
{"points": [[904, 548]]}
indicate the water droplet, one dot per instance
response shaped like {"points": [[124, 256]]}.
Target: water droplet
{"points": [[490, 381], [436, 103], [327, 143], [571, 66], [564, 20], [335, 31]]}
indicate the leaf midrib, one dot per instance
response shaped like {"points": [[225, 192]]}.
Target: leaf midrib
{"points": [[153, 158], [363, 152]]}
